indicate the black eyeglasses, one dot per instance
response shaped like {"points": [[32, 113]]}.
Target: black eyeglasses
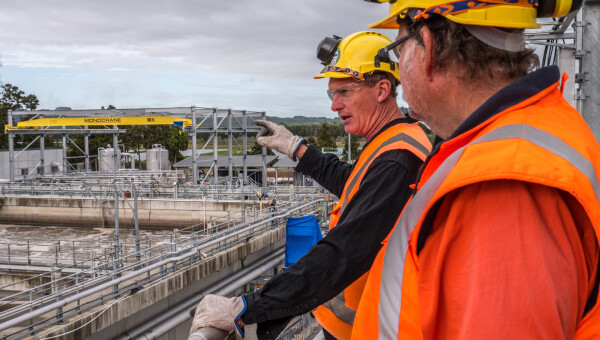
{"points": [[393, 47]]}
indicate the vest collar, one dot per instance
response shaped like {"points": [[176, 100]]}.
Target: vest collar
{"points": [[510, 95], [405, 120]]}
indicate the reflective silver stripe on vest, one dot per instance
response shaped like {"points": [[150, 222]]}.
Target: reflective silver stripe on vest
{"points": [[396, 138], [338, 307], [390, 295]]}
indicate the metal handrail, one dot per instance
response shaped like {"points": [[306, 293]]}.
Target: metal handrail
{"points": [[189, 248]]}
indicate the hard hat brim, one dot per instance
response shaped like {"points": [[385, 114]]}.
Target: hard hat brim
{"points": [[332, 75], [388, 23], [497, 16]]}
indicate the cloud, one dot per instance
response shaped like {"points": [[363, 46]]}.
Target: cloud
{"points": [[254, 52]]}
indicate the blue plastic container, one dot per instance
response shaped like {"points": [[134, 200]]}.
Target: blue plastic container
{"points": [[301, 234]]}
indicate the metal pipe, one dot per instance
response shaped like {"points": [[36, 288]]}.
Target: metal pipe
{"points": [[106, 285], [173, 317]]}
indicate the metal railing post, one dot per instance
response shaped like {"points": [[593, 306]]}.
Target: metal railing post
{"points": [[137, 224], [74, 262], [56, 252], [28, 253], [115, 273]]}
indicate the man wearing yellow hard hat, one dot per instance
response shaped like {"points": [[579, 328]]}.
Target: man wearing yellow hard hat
{"points": [[500, 240], [372, 193]]}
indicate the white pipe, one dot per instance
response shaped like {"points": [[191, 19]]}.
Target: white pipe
{"points": [[88, 292]]}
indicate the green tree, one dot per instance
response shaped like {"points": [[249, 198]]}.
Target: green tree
{"points": [[134, 138], [155, 134], [13, 99], [325, 139], [257, 150], [175, 142], [311, 140], [355, 153], [30, 102]]}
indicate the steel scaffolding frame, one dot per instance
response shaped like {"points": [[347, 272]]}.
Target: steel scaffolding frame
{"points": [[204, 121], [573, 43]]}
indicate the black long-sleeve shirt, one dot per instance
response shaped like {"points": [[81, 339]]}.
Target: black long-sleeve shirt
{"points": [[349, 249]]}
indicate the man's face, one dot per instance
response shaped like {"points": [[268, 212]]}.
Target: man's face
{"points": [[415, 90], [356, 104], [406, 69]]}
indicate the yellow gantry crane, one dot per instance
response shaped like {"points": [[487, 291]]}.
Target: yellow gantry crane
{"points": [[95, 121]]}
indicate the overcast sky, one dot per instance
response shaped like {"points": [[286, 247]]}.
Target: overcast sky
{"points": [[253, 54]]}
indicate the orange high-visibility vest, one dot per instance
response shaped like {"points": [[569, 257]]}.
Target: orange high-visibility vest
{"points": [[520, 143], [337, 315]]}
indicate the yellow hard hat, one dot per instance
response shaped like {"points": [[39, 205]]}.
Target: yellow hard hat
{"points": [[497, 13], [354, 56]]}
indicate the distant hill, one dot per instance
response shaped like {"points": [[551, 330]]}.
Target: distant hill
{"points": [[298, 120]]}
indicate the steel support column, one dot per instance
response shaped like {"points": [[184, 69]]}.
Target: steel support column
{"points": [[86, 145], [11, 149], [263, 116], [42, 152], [229, 148], [64, 152], [349, 148], [245, 147], [215, 148], [115, 149], [589, 64], [194, 148]]}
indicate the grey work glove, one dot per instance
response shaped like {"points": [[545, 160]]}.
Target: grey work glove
{"points": [[279, 138], [219, 312]]}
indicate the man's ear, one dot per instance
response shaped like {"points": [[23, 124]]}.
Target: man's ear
{"points": [[429, 52], [384, 88]]}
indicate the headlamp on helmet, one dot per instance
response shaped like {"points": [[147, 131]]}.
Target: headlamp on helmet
{"points": [[354, 56], [327, 49]]}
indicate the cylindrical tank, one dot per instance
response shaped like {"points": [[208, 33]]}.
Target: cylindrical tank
{"points": [[157, 158], [106, 161]]}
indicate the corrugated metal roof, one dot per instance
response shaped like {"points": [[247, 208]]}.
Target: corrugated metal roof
{"points": [[285, 162]]}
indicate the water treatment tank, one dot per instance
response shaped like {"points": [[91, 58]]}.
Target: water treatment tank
{"points": [[157, 158], [106, 162]]}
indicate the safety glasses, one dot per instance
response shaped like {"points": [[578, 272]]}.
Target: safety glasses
{"points": [[344, 92], [392, 51]]}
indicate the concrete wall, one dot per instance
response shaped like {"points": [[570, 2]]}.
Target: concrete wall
{"points": [[88, 212], [160, 296]]}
